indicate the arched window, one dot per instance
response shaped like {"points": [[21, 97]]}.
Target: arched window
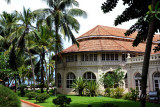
{"points": [[156, 79], [89, 76], [59, 80], [138, 81], [70, 79]]}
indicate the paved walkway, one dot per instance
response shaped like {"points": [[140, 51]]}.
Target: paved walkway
{"points": [[25, 105]]}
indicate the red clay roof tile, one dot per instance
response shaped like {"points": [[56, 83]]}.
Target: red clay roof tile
{"points": [[106, 44]]}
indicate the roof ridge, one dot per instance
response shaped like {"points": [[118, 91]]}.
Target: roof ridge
{"points": [[88, 31], [105, 30]]}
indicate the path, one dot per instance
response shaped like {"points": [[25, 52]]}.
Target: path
{"points": [[28, 104], [25, 105]]}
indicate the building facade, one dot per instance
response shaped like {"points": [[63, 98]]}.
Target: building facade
{"points": [[102, 50]]}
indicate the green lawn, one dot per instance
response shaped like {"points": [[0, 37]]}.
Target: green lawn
{"points": [[78, 101]]}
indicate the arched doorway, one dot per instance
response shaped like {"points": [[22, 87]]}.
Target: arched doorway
{"points": [[138, 78]]}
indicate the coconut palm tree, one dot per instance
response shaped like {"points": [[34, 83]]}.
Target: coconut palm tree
{"points": [[43, 43], [15, 28], [61, 16], [8, 24]]}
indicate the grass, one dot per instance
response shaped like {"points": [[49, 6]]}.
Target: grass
{"points": [[83, 101]]}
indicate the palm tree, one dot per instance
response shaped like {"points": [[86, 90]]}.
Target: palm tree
{"points": [[79, 85], [26, 18], [60, 16], [43, 43], [7, 26], [92, 87]]}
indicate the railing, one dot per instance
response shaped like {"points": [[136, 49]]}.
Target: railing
{"points": [[154, 57], [91, 63]]}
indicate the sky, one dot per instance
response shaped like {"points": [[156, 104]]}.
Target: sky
{"points": [[92, 7]]}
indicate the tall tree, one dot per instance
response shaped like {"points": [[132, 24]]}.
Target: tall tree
{"points": [[145, 30], [43, 42], [61, 17]]}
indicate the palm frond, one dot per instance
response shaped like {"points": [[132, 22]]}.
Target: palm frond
{"points": [[77, 12]]}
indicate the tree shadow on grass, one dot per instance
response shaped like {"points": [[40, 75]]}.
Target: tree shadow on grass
{"points": [[120, 104]]}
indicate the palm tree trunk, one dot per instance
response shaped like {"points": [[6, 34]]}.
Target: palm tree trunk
{"points": [[32, 72], [147, 58], [47, 76], [49, 66], [42, 74], [56, 51]]}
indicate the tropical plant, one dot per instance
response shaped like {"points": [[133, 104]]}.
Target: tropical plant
{"points": [[91, 88], [79, 85], [113, 79], [7, 26], [42, 43], [60, 16]]}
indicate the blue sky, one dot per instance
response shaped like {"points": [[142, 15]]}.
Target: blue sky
{"points": [[92, 7]]}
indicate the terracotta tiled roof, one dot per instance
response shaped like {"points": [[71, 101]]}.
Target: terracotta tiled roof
{"points": [[106, 44], [105, 30]]}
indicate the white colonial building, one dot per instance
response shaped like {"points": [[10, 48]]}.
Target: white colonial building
{"points": [[101, 50]]}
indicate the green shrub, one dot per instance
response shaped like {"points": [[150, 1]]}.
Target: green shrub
{"points": [[8, 98], [112, 93], [38, 91], [108, 105], [31, 95], [127, 96], [134, 94], [62, 101], [107, 92], [91, 88], [42, 97], [118, 92]]}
